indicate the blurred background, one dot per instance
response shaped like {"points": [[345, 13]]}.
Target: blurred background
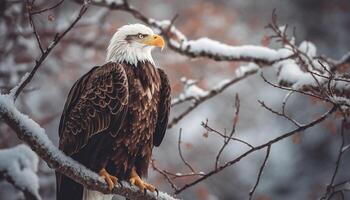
{"points": [[298, 167]]}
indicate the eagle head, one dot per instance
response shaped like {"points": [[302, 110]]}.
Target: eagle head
{"points": [[133, 43]]}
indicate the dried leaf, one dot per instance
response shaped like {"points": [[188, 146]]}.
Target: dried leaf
{"points": [[51, 17], [266, 40], [188, 145], [202, 193], [296, 138], [205, 135], [331, 126]]}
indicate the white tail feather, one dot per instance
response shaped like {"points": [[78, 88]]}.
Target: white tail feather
{"points": [[95, 195]]}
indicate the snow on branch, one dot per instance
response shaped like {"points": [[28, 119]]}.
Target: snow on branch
{"points": [[19, 166], [35, 136], [206, 47]]}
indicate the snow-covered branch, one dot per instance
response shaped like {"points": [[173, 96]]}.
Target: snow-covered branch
{"points": [[19, 166]]}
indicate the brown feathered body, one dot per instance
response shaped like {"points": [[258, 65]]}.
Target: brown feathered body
{"points": [[113, 117]]}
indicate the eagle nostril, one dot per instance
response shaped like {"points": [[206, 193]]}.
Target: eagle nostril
{"points": [[155, 37]]}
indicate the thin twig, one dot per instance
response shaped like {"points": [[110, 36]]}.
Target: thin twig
{"points": [[251, 193], [32, 24], [330, 186], [227, 140], [47, 9], [279, 114], [210, 129], [180, 153], [165, 175]]}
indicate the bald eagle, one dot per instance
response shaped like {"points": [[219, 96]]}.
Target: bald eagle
{"points": [[115, 114]]}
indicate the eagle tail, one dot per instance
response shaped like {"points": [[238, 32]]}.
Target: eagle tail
{"points": [[95, 195], [67, 189]]}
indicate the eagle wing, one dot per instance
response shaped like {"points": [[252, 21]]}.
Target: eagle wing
{"points": [[96, 103], [163, 109]]}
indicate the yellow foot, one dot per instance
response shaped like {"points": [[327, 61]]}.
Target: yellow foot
{"points": [[110, 180], [142, 185]]}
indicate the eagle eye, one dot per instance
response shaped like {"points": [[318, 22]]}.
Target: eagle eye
{"points": [[141, 36]]}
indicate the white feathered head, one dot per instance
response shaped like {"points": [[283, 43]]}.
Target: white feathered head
{"points": [[132, 44]]}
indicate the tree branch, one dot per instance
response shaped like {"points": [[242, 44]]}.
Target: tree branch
{"points": [[251, 193]]}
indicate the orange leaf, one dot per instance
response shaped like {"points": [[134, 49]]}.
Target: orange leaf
{"points": [[296, 138], [188, 145], [50, 17], [265, 41]]}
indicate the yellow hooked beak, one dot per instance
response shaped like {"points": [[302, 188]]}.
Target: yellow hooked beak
{"points": [[154, 40]]}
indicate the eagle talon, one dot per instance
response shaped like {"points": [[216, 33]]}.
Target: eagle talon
{"points": [[157, 191], [110, 180], [138, 182]]}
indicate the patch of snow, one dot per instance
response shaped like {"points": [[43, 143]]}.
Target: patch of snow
{"points": [[282, 28], [345, 148], [243, 70], [192, 90], [292, 73], [21, 164], [340, 100], [309, 48], [14, 90], [217, 48]]}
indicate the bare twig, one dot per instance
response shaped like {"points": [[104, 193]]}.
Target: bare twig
{"points": [[294, 90], [164, 174], [180, 153], [32, 24], [282, 114], [210, 129], [47, 9], [251, 193], [227, 140], [330, 187]]}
